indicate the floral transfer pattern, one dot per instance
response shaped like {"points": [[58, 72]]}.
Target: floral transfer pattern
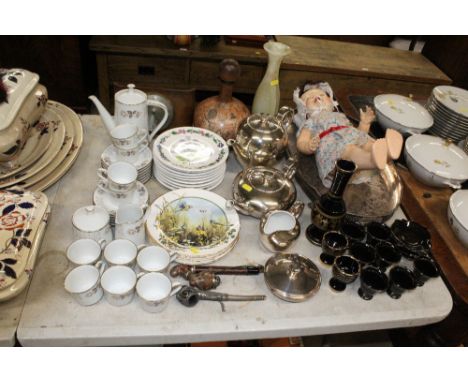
{"points": [[220, 144], [20, 214]]}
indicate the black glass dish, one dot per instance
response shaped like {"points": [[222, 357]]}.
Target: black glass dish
{"points": [[363, 252], [424, 269], [411, 235], [345, 270], [334, 244], [401, 281], [373, 281], [377, 233], [387, 255]]}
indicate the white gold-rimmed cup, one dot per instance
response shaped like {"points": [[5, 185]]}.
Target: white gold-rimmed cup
{"points": [[154, 290], [92, 222], [84, 252], [83, 283], [121, 252], [127, 136], [118, 283], [154, 259], [130, 223], [119, 177]]}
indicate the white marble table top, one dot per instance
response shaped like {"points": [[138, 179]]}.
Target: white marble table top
{"points": [[51, 317]]}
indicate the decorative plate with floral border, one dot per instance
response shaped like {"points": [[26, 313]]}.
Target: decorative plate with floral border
{"points": [[190, 148], [22, 217], [194, 223]]}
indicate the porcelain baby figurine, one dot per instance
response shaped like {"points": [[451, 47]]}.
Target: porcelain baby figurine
{"points": [[326, 132]]}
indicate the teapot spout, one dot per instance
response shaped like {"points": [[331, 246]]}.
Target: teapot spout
{"points": [[106, 117]]}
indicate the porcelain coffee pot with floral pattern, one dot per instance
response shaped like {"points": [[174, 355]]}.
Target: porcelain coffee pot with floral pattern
{"points": [[131, 107]]}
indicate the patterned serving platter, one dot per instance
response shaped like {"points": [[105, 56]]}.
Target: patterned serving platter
{"points": [[58, 132], [50, 178], [23, 216], [35, 146], [197, 224], [190, 149]]}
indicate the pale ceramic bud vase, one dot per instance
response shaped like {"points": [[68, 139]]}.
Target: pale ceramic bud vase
{"points": [[267, 96]]}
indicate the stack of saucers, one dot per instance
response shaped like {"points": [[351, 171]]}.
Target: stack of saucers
{"points": [[189, 157], [448, 106], [129, 145]]}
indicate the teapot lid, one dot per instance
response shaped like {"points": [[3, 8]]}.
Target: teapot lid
{"points": [[90, 218], [292, 277], [130, 96], [262, 122]]}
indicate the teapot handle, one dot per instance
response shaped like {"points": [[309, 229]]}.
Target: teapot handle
{"points": [[291, 167], [285, 117], [297, 208], [152, 102]]}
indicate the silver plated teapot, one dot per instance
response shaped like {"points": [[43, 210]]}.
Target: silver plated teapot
{"points": [[262, 139], [259, 189]]}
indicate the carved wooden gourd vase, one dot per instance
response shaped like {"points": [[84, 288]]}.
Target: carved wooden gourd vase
{"points": [[223, 113]]}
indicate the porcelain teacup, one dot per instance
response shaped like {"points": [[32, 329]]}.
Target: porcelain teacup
{"points": [[92, 222], [121, 252], [84, 252], [118, 283], [154, 259], [83, 284], [130, 223], [120, 177], [127, 136], [154, 290]]}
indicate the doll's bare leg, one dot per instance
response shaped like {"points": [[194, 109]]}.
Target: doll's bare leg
{"points": [[368, 145], [367, 159], [394, 143]]}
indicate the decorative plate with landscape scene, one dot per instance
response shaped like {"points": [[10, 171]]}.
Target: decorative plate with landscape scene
{"points": [[194, 223]]}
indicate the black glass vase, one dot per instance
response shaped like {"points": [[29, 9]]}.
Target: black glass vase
{"points": [[330, 209]]}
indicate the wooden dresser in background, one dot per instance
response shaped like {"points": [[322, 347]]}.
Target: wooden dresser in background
{"points": [[154, 63]]}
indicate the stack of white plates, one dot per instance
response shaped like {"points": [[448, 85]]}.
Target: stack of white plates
{"points": [[189, 157], [142, 161], [196, 224], [448, 106]]}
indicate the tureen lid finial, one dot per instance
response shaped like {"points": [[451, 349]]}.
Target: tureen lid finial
{"points": [[131, 87]]}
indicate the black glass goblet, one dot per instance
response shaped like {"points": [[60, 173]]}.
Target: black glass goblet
{"points": [[363, 252], [424, 269], [353, 231], [345, 270], [401, 280], [377, 233], [373, 281], [387, 255], [334, 244]]}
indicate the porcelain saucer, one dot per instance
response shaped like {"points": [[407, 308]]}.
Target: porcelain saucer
{"points": [[111, 203], [140, 161]]}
